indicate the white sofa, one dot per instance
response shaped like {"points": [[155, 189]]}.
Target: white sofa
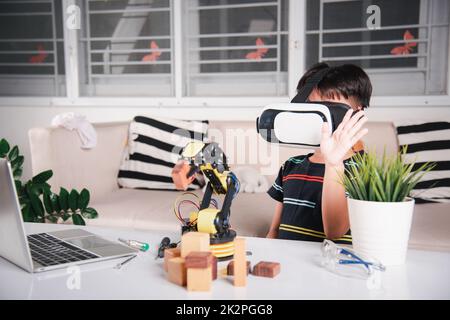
{"points": [[96, 170]]}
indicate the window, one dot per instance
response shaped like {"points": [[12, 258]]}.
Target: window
{"points": [[128, 48], [31, 48], [217, 52], [407, 56], [236, 48]]}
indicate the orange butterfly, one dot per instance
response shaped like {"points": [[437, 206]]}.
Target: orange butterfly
{"points": [[155, 54], [259, 53], [39, 58], [408, 47]]}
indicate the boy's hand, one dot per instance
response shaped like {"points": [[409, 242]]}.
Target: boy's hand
{"points": [[335, 147], [272, 234]]}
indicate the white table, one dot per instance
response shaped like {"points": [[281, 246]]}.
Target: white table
{"points": [[426, 275]]}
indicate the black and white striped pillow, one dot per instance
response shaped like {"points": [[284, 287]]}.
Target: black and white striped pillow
{"points": [[154, 145], [428, 142]]}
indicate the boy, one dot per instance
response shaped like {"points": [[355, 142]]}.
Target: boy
{"points": [[312, 203]]}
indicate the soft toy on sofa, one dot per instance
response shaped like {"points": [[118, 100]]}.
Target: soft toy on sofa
{"points": [[251, 180]]}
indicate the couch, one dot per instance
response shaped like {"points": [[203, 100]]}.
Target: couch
{"points": [[96, 169]]}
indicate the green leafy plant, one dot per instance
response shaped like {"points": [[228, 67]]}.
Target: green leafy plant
{"points": [[38, 203], [388, 180]]}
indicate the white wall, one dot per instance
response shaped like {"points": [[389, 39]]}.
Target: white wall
{"points": [[16, 121]]}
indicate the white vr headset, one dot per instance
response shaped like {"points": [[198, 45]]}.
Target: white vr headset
{"points": [[299, 123]]}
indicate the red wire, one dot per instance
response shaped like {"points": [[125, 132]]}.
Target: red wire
{"points": [[183, 202]]}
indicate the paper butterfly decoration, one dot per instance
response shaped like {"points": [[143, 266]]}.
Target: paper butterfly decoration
{"points": [[155, 54], [39, 58], [259, 53], [407, 48]]}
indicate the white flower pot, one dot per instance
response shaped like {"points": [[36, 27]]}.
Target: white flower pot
{"points": [[381, 229]]}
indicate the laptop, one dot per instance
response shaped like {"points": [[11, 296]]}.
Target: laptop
{"points": [[49, 250]]}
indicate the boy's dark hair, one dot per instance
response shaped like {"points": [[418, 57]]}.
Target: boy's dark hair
{"points": [[347, 80]]}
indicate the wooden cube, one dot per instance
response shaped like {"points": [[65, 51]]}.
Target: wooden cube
{"points": [[169, 254], [177, 271], [199, 260], [214, 267], [240, 265], [194, 241], [199, 279], [230, 268], [179, 175], [266, 269]]}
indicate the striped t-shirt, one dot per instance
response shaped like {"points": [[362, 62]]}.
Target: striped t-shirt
{"points": [[299, 187]]}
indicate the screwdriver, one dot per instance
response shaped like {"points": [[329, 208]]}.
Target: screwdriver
{"points": [[135, 244]]}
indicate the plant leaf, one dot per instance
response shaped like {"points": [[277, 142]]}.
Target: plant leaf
{"points": [[388, 187], [13, 154], [378, 180], [19, 186], [48, 203], [55, 202], [65, 216], [89, 213], [83, 200], [45, 187], [34, 189], [17, 173], [405, 171], [78, 220], [36, 205], [52, 219], [73, 200], [17, 163], [43, 177], [4, 148], [28, 214], [378, 196], [64, 199], [388, 180]]}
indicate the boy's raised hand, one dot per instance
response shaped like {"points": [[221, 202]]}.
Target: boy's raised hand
{"points": [[334, 147]]}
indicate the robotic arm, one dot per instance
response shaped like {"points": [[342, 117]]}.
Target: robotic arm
{"points": [[209, 159]]}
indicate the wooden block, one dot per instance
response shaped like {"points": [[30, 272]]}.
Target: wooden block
{"points": [[199, 260], [230, 268], [169, 254], [199, 279], [240, 273], [214, 267], [266, 269], [179, 175], [194, 241], [177, 271]]}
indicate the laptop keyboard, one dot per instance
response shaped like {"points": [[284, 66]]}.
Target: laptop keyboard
{"points": [[49, 251]]}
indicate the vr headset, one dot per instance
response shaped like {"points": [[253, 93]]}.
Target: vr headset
{"points": [[299, 123]]}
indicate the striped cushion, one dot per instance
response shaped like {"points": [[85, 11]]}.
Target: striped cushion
{"points": [[428, 142], [154, 145]]}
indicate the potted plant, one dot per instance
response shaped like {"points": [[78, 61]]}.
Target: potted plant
{"points": [[379, 206], [38, 203]]}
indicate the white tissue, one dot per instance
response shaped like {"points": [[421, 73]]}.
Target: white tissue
{"points": [[75, 121]]}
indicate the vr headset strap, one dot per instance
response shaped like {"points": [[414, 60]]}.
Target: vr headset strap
{"points": [[309, 86]]}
